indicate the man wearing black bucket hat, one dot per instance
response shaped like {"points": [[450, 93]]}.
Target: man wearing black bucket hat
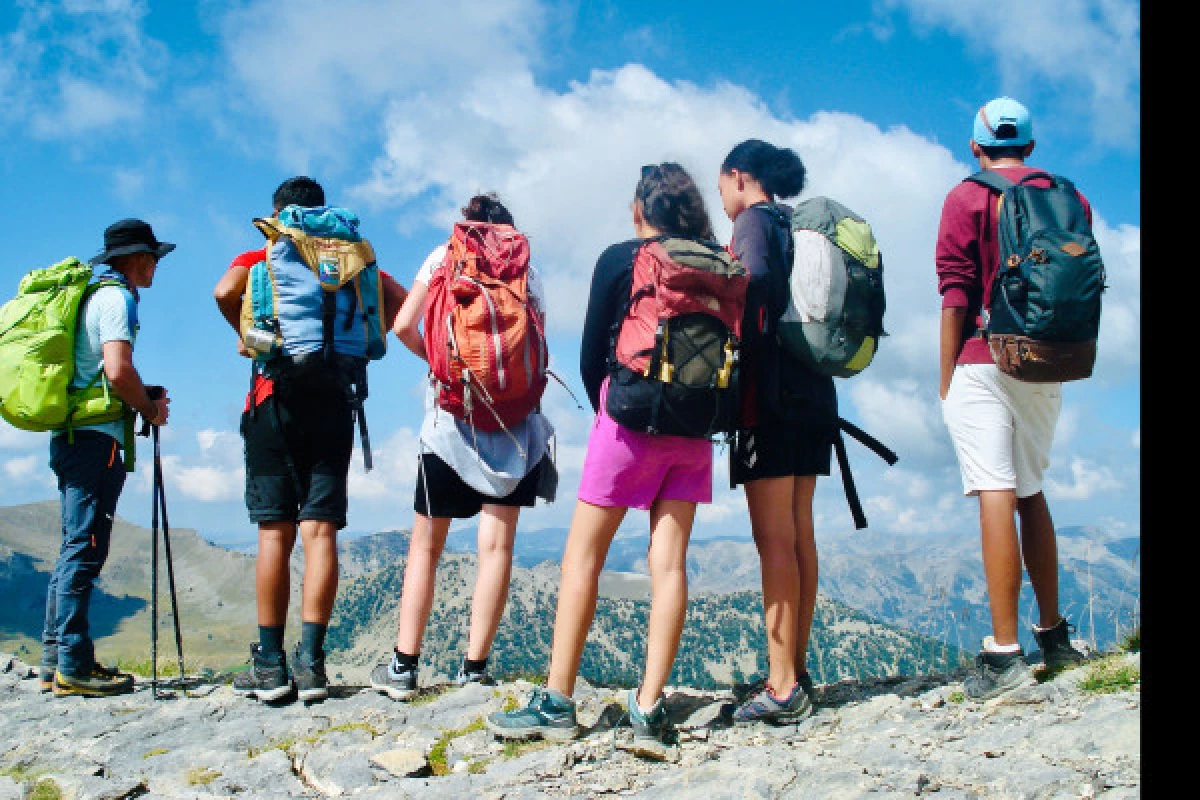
{"points": [[87, 460]]}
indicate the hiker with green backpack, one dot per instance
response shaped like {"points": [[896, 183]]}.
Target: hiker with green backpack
{"points": [[814, 310], [66, 366], [311, 309], [1020, 277]]}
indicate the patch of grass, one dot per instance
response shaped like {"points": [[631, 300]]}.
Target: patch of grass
{"points": [[510, 702], [20, 773], [201, 776], [166, 669], [424, 696], [288, 743], [478, 766], [1132, 641], [437, 754], [46, 789], [158, 751], [514, 748], [956, 697], [1110, 675]]}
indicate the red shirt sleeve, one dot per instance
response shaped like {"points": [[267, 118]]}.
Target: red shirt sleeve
{"points": [[249, 258], [957, 256]]}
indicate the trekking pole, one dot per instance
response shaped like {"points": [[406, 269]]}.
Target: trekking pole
{"points": [[161, 499], [154, 575]]}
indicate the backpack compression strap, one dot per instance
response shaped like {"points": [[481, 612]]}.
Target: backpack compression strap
{"points": [[839, 447]]}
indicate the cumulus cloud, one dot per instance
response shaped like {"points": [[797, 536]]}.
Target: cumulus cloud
{"points": [[216, 474], [903, 415], [1087, 54], [1088, 479], [79, 66], [394, 473]]}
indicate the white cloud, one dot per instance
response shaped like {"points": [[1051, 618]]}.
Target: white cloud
{"points": [[1087, 480], [16, 439], [24, 468], [394, 473], [216, 474], [1135, 440], [80, 66], [905, 416], [318, 72], [1086, 54]]}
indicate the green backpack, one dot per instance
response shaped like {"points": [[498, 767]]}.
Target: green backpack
{"points": [[37, 355], [834, 317]]}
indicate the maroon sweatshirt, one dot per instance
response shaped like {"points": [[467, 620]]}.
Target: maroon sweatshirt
{"points": [[968, 255]]}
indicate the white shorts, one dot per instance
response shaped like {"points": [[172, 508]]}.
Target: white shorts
{"points": [[1002, 428]]}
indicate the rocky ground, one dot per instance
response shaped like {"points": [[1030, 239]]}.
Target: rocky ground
{"points": [[893, 737]]}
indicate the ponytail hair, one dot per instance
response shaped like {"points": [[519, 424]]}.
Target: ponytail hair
{"points": [[487, 208], [778, 169], [672, 203]]}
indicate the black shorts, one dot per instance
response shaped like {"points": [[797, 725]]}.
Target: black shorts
{"points": [[780, 449], [298, 444], [450, 496]]}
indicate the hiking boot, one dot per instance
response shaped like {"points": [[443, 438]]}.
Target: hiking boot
{"points": [[1057, 650], [997, 673], [766, 707], [267, 681], [396, 685], [653, 734], [744, 691], [549, 715], [464, 677], [312, 684], [100, 682]]}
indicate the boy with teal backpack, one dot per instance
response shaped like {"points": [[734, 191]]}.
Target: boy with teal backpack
{"points": [[1020, 277], [66, 366]]}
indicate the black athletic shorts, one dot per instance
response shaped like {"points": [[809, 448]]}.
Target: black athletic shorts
{"points": [[779, 449], [298, 444], [450, 496]]}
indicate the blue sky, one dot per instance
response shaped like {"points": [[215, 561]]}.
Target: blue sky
{"points": [[188, 114]]}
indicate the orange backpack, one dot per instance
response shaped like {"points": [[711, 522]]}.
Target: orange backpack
{"points": [[483, 336]]}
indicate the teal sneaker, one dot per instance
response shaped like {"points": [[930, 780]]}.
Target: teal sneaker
{"points": [[653, 734], [550, 714]]}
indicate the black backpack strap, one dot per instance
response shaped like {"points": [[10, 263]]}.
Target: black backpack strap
{"points": [[328, 311], [993, 180], [839, 448]]}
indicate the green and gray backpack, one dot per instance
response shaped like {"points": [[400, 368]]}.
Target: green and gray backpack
{"points": [[37, 353], [835, 307]]}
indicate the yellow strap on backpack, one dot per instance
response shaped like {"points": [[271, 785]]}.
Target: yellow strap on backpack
{"points": [[331, 259]]}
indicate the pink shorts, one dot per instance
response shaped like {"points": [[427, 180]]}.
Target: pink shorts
{"points": [[632, 469]]}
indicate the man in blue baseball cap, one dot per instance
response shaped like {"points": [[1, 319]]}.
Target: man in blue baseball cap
{"points": [[1002, 428]]}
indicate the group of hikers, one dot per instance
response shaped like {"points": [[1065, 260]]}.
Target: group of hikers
{"points": [[684, 341]]}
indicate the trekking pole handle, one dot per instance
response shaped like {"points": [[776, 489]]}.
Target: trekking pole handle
{"points": [[155, 393]]}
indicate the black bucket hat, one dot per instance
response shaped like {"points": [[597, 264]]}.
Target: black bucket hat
{"points": [[129, 236]]}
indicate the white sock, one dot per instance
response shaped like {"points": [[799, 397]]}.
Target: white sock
{"points": [[989, 645], [1040, 629]]}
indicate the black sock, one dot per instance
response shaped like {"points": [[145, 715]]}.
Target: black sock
{"points": [[402, 662], [270, 641], [312, 641], [470, 665]]}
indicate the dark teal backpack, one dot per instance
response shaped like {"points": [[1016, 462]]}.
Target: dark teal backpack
{"points": [[1044, 315]]}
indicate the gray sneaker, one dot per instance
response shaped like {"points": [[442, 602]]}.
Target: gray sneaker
{"points": [[267, 681], [464, 677], [765, 707], [550, 714], [312, 684], [744, 691], [653, 734], [996, 674], [1057, 651], [396, 685]]}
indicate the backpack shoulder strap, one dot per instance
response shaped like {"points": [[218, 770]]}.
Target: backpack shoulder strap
{"points": [[839, 448], [993, 180]]}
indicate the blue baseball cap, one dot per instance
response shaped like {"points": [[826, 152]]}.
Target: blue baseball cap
{"points": [[1003, 122]]}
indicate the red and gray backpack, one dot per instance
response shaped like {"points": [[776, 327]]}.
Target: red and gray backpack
{"points": [[673, 354]]}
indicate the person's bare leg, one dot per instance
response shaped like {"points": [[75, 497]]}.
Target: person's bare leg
{"points": [[774, 530], [670, 527], [1001, 561], [591, 533], [1039, 548], [805, 486], [416, 597], [320, 570], [497, 528], [272, 571]]}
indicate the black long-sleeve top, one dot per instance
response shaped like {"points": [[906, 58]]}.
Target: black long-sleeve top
{"points": [[611, 284]]}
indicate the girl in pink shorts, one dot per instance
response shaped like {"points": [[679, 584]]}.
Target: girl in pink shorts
{"points": [[623, 469]]}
